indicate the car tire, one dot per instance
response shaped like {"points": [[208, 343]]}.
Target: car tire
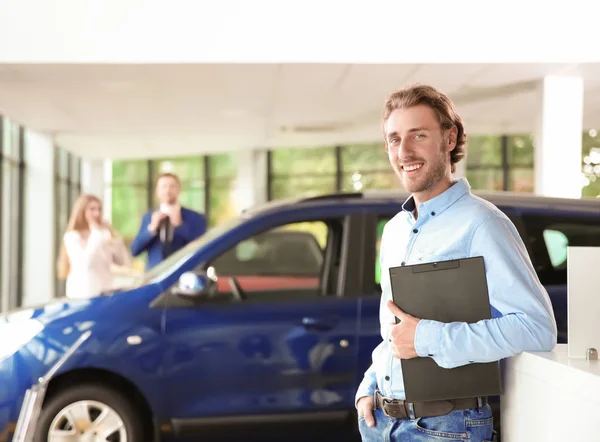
{"points": [[96, 399]]}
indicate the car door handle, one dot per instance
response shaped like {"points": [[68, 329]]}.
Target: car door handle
{"points": [[318, 324]]}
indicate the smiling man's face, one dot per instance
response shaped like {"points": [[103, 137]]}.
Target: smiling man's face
{"points": [[419, 150]]}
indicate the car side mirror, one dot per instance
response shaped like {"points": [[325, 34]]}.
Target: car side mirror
{"points": [[196, 284]]}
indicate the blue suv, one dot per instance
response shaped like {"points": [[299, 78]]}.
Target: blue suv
{"points": [[265, 324]]}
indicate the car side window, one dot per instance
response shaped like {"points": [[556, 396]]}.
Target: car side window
{"points": [[550, 235], [556, 243], [286, 261]]}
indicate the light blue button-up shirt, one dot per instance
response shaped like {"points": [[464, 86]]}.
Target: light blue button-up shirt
{"points": [[457, 224]]}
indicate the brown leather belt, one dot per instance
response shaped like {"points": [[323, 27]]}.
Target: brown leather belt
{"points": [[400, 409]]}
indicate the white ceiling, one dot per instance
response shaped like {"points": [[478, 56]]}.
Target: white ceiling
{"points": [[119, 111]]}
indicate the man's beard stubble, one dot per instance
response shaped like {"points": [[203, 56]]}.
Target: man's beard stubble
{"points": [[437, 173]]}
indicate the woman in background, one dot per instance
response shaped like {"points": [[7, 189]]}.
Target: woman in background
{"points": [[90, 247]]}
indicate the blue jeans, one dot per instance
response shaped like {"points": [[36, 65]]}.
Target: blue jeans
{"points": [[473, 425]]}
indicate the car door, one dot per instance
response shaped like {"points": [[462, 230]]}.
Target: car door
{"points": [[285, 347]]}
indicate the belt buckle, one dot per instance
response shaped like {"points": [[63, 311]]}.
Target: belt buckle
{"points": [[385, 401]]}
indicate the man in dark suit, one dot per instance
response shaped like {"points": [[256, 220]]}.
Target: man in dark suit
{"points": [[171, 227]]}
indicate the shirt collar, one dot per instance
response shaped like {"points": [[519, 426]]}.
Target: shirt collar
{"points": [[441, 202]]}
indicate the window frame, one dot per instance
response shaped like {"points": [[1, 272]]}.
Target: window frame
{"points": [[349, 281], [12, 213]]}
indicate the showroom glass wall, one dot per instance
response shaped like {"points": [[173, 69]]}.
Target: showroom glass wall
{"points": [[67, 188], [207, 182], [11, 214], [493, 163], [18, 207]]}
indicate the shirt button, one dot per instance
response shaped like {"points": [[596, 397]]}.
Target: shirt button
{"points": [[432, 213], [415, 231], [387, 378], [430, 355], [402, 263]]}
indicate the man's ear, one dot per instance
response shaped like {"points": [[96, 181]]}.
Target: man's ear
{"points": [[452, 138]]}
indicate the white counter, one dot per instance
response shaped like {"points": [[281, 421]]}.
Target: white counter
{"points": [[551, 397]]}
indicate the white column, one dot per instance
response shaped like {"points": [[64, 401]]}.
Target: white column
{"points": [[251, 182], [96, 176], [39, 258], [92, 177], [558, 137]]}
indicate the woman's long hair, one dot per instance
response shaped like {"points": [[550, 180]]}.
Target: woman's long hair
{"points": [[77, 222]]}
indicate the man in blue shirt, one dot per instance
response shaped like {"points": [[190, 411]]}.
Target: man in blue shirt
{"points": [[171, 227], [442, 219]]}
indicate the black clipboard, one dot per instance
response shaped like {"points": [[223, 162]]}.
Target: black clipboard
{"points": [[445, 291]]}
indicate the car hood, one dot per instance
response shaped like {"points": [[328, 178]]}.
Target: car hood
{"points": [[119, 301], [50, 311]]}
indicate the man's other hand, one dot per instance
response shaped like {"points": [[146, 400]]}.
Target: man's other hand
{"points": [[365, 409], [175, 215]]}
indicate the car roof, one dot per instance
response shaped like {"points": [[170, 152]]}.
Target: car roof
{"points": [[505, 198], [395, 197]]}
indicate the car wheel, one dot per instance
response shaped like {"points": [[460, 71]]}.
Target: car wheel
{"points": [[89, 413]]}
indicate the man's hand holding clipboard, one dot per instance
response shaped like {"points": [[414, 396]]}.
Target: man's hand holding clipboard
{"points": [[402, 333]]}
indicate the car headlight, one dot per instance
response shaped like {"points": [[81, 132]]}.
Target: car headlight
{"points": [[14, 335]]}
